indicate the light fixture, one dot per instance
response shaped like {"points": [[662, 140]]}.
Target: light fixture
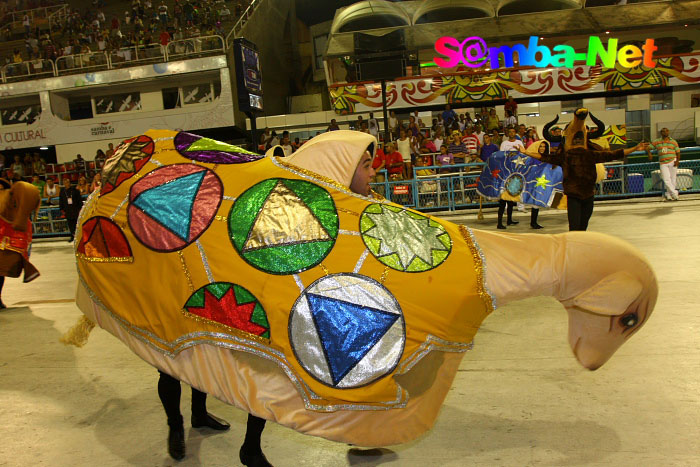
{"points": [[607, 32], [44, 148]]}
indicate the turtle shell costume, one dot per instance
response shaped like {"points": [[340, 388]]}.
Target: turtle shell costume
{"points": [[267, 283]]}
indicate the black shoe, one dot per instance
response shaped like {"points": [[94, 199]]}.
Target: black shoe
{"points": [[512, 222], [253, 460], [176, 443], [2, 305], [501, 226], [536, 226], [210, 421]]}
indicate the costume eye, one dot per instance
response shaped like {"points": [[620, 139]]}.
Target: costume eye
{"points": [[630, 320]]}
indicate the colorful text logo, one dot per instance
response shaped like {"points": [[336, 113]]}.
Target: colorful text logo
{"points": [[474, 53]]}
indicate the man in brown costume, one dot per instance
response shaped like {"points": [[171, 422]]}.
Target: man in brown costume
{"points": [[577, 156], [17, 202]]}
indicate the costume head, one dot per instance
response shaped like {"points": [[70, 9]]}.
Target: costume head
{"points": [[334, 155], [534, 148], [576, 133]]}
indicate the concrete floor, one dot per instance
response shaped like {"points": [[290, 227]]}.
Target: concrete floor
{"points": [[519, 399]]}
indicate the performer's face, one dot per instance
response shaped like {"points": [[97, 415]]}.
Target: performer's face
{"points": [[363, 175], [542, 148]]}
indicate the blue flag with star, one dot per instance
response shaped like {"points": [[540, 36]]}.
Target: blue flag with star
{"points": [[535, 182]]}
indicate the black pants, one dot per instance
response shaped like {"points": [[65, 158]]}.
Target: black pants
{"points": [[579, 212], [169, 391], [534, 212], [72, 224], [502, 207]]}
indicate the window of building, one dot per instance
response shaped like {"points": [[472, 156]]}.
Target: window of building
{"points": [[570, 106], [15, 113], [661, 101], [80, 107], [171, 98], [124, 102], [638, 124], [616, 102]]}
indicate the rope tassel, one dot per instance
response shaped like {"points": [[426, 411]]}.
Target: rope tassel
{"points": [[80, 332]]}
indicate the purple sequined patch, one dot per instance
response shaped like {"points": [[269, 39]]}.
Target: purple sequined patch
{"points": [[211, 151]]}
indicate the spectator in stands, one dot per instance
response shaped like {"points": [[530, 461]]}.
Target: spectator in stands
{"points": [[488, 148], [358, 123], [96, 182], [510, 120], [403, 145], [457, 149], [79, 162], [286, 144], [127, 17], [445, 157], [394, 162], [110, 151], [17, 167], [38, 165], [418, 120], [393, 123], [413, 129], [478, 132], [163, 14], [373, 125], [2, 161], [448, 116], [555, 132], [83, 186], [333, 125], [471, 143], [496, 137], [512, 143], [522, 130], [512, 106], [274, 139], [70, 201], [51, 192], [100, 156], [438, 139], [492, 122], [379, 164], [39, 183], [27, 23], [164, 37], [530, 137], [296, 144]]}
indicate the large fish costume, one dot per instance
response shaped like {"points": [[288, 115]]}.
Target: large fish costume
{"points": [[267, 283]]}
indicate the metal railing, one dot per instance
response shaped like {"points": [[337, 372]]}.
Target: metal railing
{"points": [[124, 57], [205, 45], [238, 26], [12, 17], [31, 69], [75, 63], [454, 186]]}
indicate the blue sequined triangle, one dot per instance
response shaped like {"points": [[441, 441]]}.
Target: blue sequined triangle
{"points": [[171, 203], [347, 331]]}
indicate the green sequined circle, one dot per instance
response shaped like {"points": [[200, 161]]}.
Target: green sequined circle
{"points": [[231, 305], [404, 240], [283, 226]]}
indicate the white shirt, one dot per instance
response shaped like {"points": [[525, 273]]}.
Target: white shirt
{"points": [[373, 126], [404, 147], [481, 137], [510, 121], [438, 143], [288, 150], [508, 145]]}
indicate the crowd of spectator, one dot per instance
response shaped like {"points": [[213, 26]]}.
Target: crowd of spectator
{"points": [[144, 23], [82, 174]]}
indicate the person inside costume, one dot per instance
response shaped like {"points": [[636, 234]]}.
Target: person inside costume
{"points": [[577, 156], [535, 149], [17, 202], [387, 397]]}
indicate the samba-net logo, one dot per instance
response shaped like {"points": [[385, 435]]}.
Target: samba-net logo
{"points": [[474, 53]]}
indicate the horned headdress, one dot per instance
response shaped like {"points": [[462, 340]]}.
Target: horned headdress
{"points": [[575, 130]]}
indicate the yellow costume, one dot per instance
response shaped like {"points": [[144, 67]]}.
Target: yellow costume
{"points": [[270, 285]]}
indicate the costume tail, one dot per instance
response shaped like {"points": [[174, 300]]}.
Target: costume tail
{"points": [[79, 333]]}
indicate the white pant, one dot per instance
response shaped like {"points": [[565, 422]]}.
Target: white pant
{"points": [[668, 175]]}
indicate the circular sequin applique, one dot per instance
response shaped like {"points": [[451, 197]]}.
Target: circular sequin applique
{"points": [[208, 150], [129, 157], [230, 305], [347, 330], [514, 184], [170, 207], [404, 240], [102, 241], [283, 226]]}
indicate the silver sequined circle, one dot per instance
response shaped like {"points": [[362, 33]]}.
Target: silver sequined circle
{"points": [[359, 296]]}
